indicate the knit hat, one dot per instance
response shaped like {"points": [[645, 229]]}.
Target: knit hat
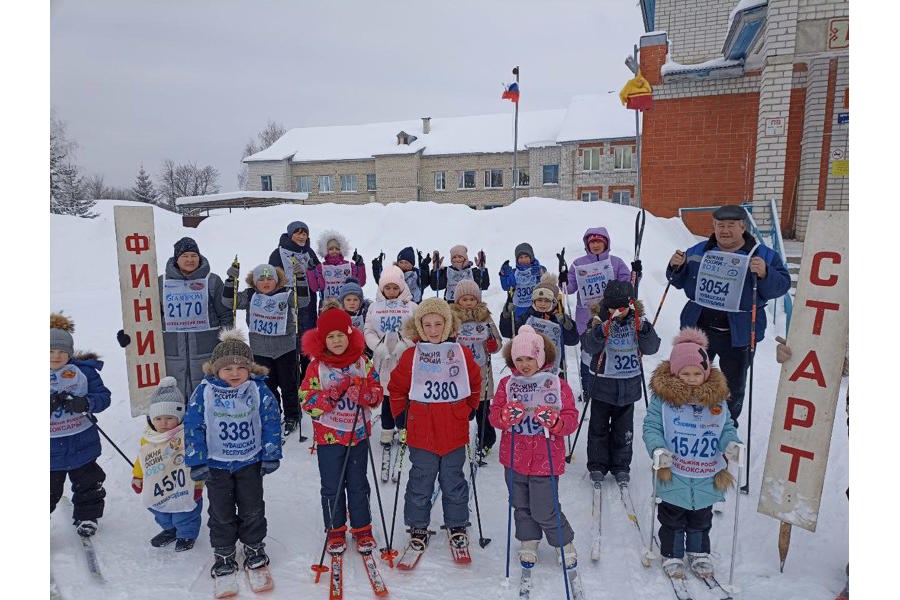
{"points": [[528, 342], [350, 287], [293, 226], [185, 244], [167, 399], [617, 294], [334, 319], [61, 328], [689, 349], [546, 289], [459, 250], [407, 254], [231, 350], [264, 271], [468, 287], [596, 236], [392, 274], [730, 212], [524, 248]]}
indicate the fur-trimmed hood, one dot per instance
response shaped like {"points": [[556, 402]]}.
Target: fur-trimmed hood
{"points": [[670, 389], [480, 312], [549, 354], [412, 327], [322, 243], [312, 344], [282, 279]]}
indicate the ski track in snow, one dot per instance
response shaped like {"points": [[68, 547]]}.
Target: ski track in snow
{"points": [[135, 570]]}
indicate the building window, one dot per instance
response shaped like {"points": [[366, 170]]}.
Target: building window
{"points": [[465, 180], [621, 197], [370, 182], [490, 206], [493, 178], [521, 177], [591, 159], [266, 182], [622, 157], [348, 183], [551, 175], [303, 183], [440, 181], [326, 184], [590, 196]]}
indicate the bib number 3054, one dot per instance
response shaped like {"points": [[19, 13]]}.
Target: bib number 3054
{"points": [[441, 390]]}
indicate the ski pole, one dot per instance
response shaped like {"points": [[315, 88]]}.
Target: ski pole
{"points": [[640, 219], [482, 541], [93, 420], [321, 568], [742, 455], [556, 509], [377, 488], [237, 266], [389, 554], [297, 338], [653, 502], [640, 356], [666, 291], [746, 487], [593, 376], [509, 484]]}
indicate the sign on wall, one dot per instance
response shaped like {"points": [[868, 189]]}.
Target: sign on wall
{"points": [[810, 381], [775, 126], [139, 289], [838, 34]]}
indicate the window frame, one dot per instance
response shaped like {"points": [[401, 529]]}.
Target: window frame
{"points": [[544, 174], [298, 187], [593, 196], [489, 179], [619, 158], [593, 152], [517, 177], [330, 180], [620, 193], [443, 179], [461, 179], [265, 183]]}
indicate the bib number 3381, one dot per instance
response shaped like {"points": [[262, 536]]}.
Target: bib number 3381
{"points": [[235, 431]]}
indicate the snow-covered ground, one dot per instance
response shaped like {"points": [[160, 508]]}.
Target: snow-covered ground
{"points": [[83, 284]]}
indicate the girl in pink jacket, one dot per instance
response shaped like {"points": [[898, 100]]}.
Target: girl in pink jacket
{"points": [[530, 400], [328, 276]]}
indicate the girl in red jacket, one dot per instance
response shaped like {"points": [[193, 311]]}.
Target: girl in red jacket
{"points": [[437, 382], [528, 401], [340, 388]]}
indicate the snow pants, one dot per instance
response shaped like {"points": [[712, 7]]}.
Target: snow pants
{"points": [[485, 436], [355, 489], [448, 470], [237, 510], [87, 491], [681, 528], [388, 421], [734, 363], [185, 524], [535, 510], [610, 432], [283, 376]]}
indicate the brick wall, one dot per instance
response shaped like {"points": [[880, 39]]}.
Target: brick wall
{"points": [[277, 169], [792, 160], [696, 28]]}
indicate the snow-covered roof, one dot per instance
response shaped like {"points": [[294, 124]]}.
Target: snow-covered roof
{"points": [[588, 117], [716, 67], [291, 196]]}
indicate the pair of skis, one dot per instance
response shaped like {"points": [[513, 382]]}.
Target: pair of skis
{"points": [[336, 580], [525, 582], [459, 551], [389, 464], [628, 505], [680, 587], [259, 580]]}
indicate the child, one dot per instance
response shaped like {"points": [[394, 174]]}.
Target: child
{"points": [[520, 282], [175, 501], [688, 393], [446, 278], [616, 339], [76, 393], [339, 391], [353, 302], [328, 276], [271, 316], [233, 438], [437, 383], [416, 279], [533, 398], [479, 334], [384, 337]]}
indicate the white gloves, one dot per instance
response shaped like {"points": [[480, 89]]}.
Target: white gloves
{"points": [[662, 458], [734, 452]]}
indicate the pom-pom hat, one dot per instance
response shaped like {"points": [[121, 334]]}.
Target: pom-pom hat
{"points": [[468, 287], [528, 342], [334, 319], [61, 328], [689, 349], [231, 350], [167, 399]]}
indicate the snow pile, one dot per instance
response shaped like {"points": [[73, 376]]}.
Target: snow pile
{"points": [[88, 291]]}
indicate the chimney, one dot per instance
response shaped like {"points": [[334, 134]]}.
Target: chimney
{"points": [[426, 125], [654, 48]]}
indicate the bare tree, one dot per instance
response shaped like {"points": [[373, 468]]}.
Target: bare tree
{"points": [[265, 138], [95, 188], [186, 180]]}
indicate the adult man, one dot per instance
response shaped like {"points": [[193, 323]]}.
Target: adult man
{"points": [[718, 281]]}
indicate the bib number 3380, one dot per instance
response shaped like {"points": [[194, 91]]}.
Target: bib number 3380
{"points": [[441, 390]]}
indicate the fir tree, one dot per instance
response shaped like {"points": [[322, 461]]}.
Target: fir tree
{"points": [[72, 198], [143, 189]]}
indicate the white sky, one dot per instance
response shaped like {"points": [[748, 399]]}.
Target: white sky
{"points": [[193, 81]]}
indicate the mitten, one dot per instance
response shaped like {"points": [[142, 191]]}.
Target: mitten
{"points": [[123, 338], [55, 402], [357, 259], [233, 271], [732, 452], [662, 458], [480, 259], [505, 269], [782, 350], [269, 466], [549, 418], [335, 392], [75, 404], [137, 484], [563, 279], [512, 414], [424, 261], [198, 494], [391, 339], [200, 473], [637, 268]]}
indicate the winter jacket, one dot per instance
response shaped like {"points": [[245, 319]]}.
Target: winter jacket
{"points": [[416, 279], [480, 316], [319, 399], [508, 283], [317, 280], [195, 430], [530, 452], [76, 450], [386, 351], [686, 492], [618, 392], [776, 283], [569, 332], [622, 273], [438, 277], [308, 315], [358, 318], [137, 471], [186, 352]]}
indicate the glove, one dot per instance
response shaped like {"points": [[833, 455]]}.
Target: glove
{"points": [[55, 402], [123, 338], [563, 279], [732, 452], [362, 393], [548, 417], [636, 267], [391, 339], [337, 390], [512, 414], [424, 261], [233, 271], [377, 262], [480, 259], [437, 259], [198, 494], [269, 466], [137, 484], [357, 259], [662, 458], [505, 269], [74, 404], [199, 473], [782, 350]]}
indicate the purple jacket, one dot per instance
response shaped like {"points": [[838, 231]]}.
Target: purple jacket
{"points": [[623, 273]]}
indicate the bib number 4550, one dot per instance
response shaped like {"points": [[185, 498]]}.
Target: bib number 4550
{"points": [[169, 482]]}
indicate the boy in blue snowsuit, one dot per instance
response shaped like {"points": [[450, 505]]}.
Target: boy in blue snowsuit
{"points": [[520, 281], [76, 392]]}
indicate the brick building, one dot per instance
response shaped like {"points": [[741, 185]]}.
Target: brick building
{"points": [[750, 103], [583, 152]]}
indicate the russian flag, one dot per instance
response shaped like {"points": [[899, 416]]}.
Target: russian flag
{"points": [[511, 92]]}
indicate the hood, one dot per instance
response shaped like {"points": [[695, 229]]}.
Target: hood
{"points": [[549, 354], [87, 358], [312, 344], [480, 312], [412, 327], [282, 280], [322, 243], [599, 231], [287, 243], [670, 389], [172, 271]]}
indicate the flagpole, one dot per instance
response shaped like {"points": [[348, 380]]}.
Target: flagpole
{"points": [[515, 173], [637, 137]]}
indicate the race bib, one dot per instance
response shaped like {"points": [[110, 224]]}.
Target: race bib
{"points": [[358, 321], [233, 426], [552, 330], [300, 257], [335, 276], [473, 335], [541, 389], [186, 304], [439, 373], [720, 280], [167, 482], [692, 435], [269, 314], [411, 278], [454, 277], [390, 314], [344, 412], [526, 279], [592, 279], [621, 353], [71, 379]]}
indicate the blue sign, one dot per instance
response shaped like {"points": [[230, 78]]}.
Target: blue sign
{"points": [[843, 118]]}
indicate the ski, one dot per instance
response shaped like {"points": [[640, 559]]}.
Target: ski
{"points": [[625, 495], [713, 584], [91, 556], [575, 583], [336, 581], [410, 556], [395, 468], [259, 579], [596, 506], [525, 581], [226, 586], [375, 578], [386, 462], [459, 547], [679, 585]]}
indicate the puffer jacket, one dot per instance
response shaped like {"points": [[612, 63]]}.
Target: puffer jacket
{"points": [[508, 282], [73, 451], [384, 358], [308, 314], [622, 271]]}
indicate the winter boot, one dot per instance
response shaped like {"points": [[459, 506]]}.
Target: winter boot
{"points": [[86, 528], [255, 556], [597, 477], [701, 564], [459, 537], [418, 538], [674, 567], [570, 555], [163, 538], [182, 544], [528, 552], [223, 562], [290, 425], [364, 540], [622, 478], [337, 540], [387, 437]]}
